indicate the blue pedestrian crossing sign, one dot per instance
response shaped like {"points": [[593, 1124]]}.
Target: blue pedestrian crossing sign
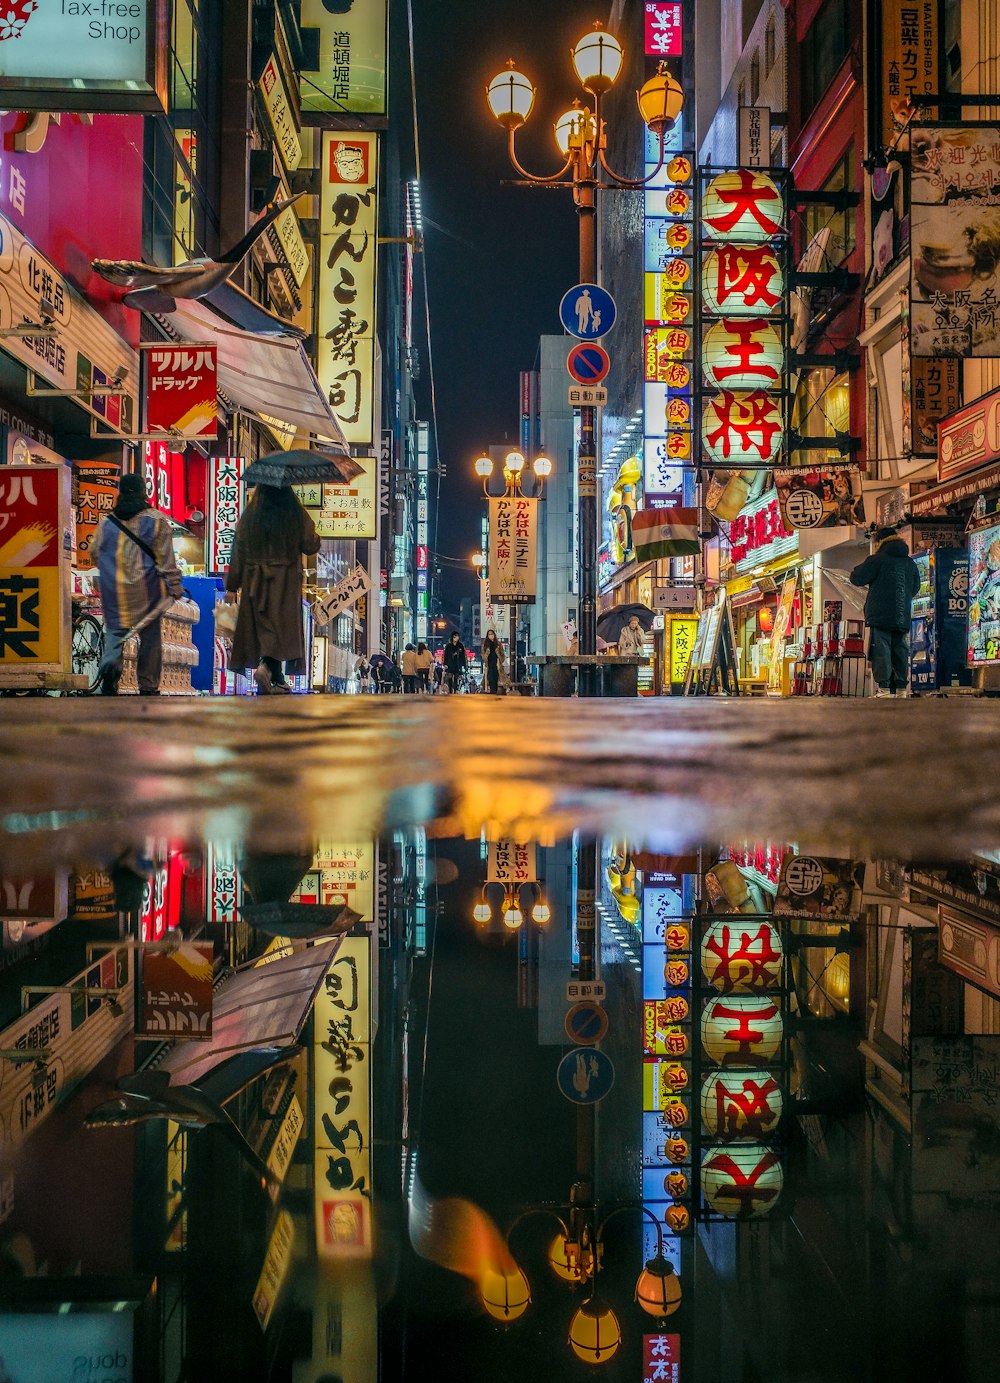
{"points": [[585, 1075], [587, 311], [588, 363]]}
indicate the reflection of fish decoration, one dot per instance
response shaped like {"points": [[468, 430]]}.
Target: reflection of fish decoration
{"points": [[148, 1095], [154, 289]]}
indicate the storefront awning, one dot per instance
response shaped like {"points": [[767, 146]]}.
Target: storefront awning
{"points": [[962, 490], [264, 1006], [269, 376]]}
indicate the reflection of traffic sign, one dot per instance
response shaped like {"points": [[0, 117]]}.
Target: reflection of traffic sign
{"points": [[588, 363], [585, 1075], [586, 1023], [587, 395], [587, 311]]}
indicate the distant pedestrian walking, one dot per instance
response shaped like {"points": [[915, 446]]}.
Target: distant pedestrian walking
{"points": [[424, 661], [893, 580], [408, 667], [493, 660], [138, 577], [272, 536], [456, 661]]}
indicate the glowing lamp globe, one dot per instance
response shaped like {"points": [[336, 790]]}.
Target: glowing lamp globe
{"points": [[541, 913], [741, 1106], [505, 1295], [512, 918], [741, 957], [564, 1259], [742, 353], [742, 429], [543, 467], [484, 467], [661, 101], [511, 97], [513, 462], [742, 281], [741, 1029], [598, 60], [741, 1182], [658, 1290], [742, 205], [572, 129], [594, 1332], [482, 913]]}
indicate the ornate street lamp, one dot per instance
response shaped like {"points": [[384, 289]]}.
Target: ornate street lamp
{"points": [[519, 477], [581, 139]]}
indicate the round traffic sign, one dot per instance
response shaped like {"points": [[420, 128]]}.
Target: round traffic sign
{"points": [[585, 1075], [586, 1023], [588, 363], [587, 311]]}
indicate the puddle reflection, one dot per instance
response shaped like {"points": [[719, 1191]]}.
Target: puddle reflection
{"points": [[427, 1105]]}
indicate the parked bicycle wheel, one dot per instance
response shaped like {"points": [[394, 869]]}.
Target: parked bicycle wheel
{"points": [[88, 650]]}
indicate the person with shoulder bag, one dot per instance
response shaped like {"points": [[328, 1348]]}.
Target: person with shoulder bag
{"points": [[139, 579]]}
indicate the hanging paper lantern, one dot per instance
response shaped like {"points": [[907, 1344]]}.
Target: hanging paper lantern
{"points": [[677, 1218], [739, 429], [674, 1113], [677, 1149], [742, 281], [742, 353], [741, 1029], [737, 1106], [743, 205], [741, 957], [673, 1079], [676, 973], [677, 937], [742, 1182], [676, 1185], [679, 168]]}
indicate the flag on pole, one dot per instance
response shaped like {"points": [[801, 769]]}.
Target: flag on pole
{"points": [[665, 533]]}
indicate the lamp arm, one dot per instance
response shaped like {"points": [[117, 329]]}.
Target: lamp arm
{"points": [[535, 177], [537, 1210], [635, 183], [632, 1205]]}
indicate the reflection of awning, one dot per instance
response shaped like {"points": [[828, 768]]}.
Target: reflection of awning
{"points": [[267, 375], [265, 1006], [966, 487]]}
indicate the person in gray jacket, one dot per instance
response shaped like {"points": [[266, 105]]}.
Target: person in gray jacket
{"points": [[893, 580]]}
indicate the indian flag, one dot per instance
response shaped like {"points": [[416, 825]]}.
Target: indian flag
{"points": [[665, 533]]}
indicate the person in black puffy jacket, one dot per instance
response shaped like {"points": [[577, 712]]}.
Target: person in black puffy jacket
{"points": [[893, 580]]}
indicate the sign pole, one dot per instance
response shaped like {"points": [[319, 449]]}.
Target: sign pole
{"points": [[586, 461]]}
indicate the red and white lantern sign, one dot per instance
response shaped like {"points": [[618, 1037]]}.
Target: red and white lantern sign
{"points": [[741, 1030], [742, 1182], [738, 1106], [742, 429], [742, 205], [741, 956], [742, 281], [743, 353]]}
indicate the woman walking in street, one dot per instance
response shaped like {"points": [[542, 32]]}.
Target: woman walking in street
{"points": [[408, 667], [492, 661], [272, 536], [456, 661], [424, 661]]}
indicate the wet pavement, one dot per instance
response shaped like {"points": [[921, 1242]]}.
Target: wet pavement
{"points": [[328, 1024]]}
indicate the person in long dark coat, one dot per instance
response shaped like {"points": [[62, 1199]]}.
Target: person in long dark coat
{"points": [[893, 580], [272, 536]]}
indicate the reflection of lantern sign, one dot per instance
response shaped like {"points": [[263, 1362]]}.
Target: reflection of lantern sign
{"points": [[741, 1029], [742, 1182], [678, 202], [673, 1078], [742, 353], [675, 1042], [679, 168], [675, 1113], [677, 1218], [675, 1008], [677, 937], [738, 1105], [675, 1184], [803, 875], [741, 956], [803, 508], [741, 281], [677, 1150], [742, 205], [676, 973], [742, 427]]}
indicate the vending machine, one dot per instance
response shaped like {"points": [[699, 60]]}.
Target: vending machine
{"points": [[938, 621]]}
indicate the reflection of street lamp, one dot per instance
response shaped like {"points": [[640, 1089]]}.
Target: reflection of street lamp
{"points": [[582, 140], [575, 1255], [513, 906], [515, 473]]}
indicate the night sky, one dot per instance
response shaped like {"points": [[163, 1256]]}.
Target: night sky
{"points": [[498, 259]]}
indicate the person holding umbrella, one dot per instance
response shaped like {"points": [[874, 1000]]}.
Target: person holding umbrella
{"points": [[273, 534], [630, 639], [624, 625]]}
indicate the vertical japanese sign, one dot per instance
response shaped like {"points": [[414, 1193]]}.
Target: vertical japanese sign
{"points": [[511, 862], [347, 280], [177, 992], [683, 635], [342, 1104], [95, 488], [513, 549], [352, 57], [492, 615], [349, 511], [225, 505], [33, 605], [275, 98], [909, 61], [224, 883], [346, 877], [277, 1261], [661, 1359], [180, 389]]}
